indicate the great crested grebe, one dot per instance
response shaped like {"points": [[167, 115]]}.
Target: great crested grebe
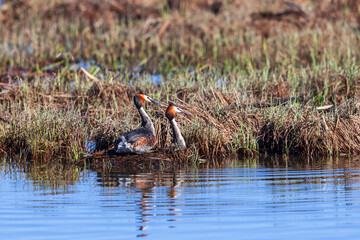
{"points": [[141, 139], [170, 113]]}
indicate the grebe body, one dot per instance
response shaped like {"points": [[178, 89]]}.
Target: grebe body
{"points": [[142, 139]]}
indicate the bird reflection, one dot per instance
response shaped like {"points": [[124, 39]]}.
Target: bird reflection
{"points": [[145, 184], [173, 193]]}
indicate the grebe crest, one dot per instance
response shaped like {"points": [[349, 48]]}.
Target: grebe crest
{"points": [[141, 98]]}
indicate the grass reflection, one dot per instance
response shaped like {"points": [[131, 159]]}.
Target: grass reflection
{"points": [[44, 176]]}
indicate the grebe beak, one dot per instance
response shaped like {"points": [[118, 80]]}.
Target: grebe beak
{"points": [[156, 102], [183, 111]]}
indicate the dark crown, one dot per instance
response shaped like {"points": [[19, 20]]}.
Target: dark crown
{"points": [[173, 104]]}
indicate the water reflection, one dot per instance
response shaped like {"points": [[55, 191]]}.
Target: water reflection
{"points": [[144, 184], [214, 200], [44, 176], [299, 163]]}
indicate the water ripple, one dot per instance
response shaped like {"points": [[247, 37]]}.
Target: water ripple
{"points": [[229, 202]]}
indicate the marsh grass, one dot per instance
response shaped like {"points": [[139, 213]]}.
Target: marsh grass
{"points": [[313, 133], [242, 36], [242, 56], [47, 125]]}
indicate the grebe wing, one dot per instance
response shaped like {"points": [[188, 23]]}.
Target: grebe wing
{"points": [[134, 140], [134, 135]]}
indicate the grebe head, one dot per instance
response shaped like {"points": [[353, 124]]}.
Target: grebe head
{"points": [[141, 98], [172, 109]]}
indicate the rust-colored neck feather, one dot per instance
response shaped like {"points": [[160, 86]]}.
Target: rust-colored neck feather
{"points": [[141, 98], [170, 112]]}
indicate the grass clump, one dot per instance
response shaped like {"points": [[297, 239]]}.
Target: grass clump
{"points": [[309, 132], [45, 133]]}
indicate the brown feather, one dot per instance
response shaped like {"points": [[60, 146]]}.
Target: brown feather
{"points": [[143, 142]]}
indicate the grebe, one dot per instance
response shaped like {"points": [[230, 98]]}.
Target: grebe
{"points": [[142, 139], [170, 113]]}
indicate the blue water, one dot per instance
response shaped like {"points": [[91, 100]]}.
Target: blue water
{"points": [[238, 200], [156, 79]]}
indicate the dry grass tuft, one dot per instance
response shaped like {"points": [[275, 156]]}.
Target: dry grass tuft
{"points": [[314, 133]]}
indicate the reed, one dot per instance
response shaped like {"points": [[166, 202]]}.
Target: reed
{"points": [[56, 126], [68, 75]]}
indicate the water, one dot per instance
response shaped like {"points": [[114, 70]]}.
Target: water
{"points": [[236, 200], [156, 79], [85, 64]]}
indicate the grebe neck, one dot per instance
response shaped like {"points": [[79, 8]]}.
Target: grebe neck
{"points": [[177, 137], [146, 121]]}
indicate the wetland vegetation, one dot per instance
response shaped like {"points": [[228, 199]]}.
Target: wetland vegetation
{"points": [[69, 71]]}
